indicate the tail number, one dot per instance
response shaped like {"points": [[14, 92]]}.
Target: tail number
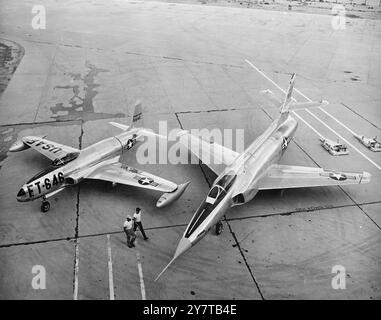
{"points": [[46, 183]]}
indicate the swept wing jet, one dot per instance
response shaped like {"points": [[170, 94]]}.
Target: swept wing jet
{"points": [[255, 169], [99, 161]]}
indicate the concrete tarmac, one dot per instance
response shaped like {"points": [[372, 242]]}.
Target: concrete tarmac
{"points": [[186, 64]]}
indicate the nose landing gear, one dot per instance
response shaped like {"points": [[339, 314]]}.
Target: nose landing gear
{"points": [[45, 206], [219, 228]]}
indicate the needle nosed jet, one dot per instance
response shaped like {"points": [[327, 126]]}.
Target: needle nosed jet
{"points": [[98, 161], [255, 169]]}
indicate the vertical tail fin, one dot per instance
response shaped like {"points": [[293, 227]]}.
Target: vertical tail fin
{"points": [[137, 118], [288, 98]]}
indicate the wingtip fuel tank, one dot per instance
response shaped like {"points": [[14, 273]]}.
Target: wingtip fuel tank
{"points": [[169, 197], [18, 146]]}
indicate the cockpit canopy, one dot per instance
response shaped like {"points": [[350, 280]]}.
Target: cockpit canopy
{"points": [[339, 147], [214, 197], [69, 157], [221, 187], [227, 181]]}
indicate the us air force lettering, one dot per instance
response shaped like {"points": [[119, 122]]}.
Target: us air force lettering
{"points": [[255, 169], [98, 161]]}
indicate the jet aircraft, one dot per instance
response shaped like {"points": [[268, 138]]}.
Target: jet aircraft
{"points": [[255, 169], [99, 161]]}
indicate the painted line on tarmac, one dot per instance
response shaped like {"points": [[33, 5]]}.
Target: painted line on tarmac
{"points": [[268, 78], [338, 121], [307, 124], [326, 112], [345, 140], [304, 96], [141, 278], [110, 274], [308, 99]]}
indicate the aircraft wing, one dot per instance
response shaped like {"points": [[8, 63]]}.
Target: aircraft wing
{"points": [[210, 153], [283, 177], [123, 174], [49, 149]]}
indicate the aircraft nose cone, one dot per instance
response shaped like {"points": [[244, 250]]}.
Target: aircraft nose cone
{"points": [[183, 246], [21, 195]]}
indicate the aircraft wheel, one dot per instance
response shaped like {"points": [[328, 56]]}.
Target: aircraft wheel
{"points": [[45, 206], [219, 228]]}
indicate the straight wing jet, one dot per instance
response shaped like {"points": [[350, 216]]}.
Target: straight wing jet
{"points": [[257, 168], [99, 161]]}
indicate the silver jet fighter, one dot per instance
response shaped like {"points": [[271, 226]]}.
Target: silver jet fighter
{"points": [[255, 169], [98, 161]]}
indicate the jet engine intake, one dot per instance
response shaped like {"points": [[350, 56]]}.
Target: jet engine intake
{"points": [[169, 197], [244, 197], [73, 180], [238, 199], [18, 146]]}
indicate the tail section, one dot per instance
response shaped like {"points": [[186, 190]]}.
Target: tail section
{"points": [[288, 99], [137, 118], [136, 121]]}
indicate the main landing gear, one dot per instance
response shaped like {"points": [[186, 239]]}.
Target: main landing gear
{"points": [[219, 228], [45, 206]]}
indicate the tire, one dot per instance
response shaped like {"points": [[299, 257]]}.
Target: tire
{"points": [[45, 206], [219, 228]]}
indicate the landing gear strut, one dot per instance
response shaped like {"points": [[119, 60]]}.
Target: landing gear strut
{"points": [[219, 227], [45, 206]]}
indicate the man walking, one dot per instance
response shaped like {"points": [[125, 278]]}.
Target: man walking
{"points": [[128, 228], [138, 222]]}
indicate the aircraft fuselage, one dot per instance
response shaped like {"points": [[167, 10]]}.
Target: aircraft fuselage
{"points": [[237, 184], [55, 178]]}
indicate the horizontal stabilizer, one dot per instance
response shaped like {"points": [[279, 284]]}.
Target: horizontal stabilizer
{"points": [[119, 125], [309, 104]]}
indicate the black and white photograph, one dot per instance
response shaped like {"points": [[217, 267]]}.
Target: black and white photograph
{"points": [[190, 150]]}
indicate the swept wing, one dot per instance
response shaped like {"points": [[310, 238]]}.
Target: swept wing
{"points": [[124, 174], [284, 176], [214, 155], [49, 149]]}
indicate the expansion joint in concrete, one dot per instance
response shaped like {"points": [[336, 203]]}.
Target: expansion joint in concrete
{"points": [[244, 259], [76, 233]]}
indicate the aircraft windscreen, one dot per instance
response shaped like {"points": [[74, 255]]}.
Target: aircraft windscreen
{"points": [[214, 197], [69, 157], [213, 193], [227, 181]]}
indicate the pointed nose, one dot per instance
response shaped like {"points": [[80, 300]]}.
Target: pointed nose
{"points": [[21, 195]]}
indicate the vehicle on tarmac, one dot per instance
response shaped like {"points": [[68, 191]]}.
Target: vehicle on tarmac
{"points": [[370, 143], [257, 168], [334, 148], [99, 161]]}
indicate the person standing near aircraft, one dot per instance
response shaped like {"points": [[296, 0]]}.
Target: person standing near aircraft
{"points": [[128, 228], [138, 222]]}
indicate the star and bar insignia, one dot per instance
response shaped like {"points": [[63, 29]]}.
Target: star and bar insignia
{"points": [[338, 176]]}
